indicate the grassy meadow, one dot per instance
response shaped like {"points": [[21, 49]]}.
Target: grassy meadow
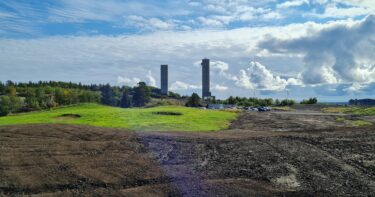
{"points": [[135, 119]]}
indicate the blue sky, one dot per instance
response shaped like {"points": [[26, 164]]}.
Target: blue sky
{"points": [[265, 48]]}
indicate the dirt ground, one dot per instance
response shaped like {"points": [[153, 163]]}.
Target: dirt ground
{"points": [[262, 154]]}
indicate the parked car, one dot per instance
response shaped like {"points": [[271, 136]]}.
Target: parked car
{"points": [[263, 109]]}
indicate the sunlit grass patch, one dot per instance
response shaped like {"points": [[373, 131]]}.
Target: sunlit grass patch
{"points": [[165, 118]]}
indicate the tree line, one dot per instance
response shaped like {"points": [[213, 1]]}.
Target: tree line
{"points": [[252, 101], [195, 101], [32, 96]]}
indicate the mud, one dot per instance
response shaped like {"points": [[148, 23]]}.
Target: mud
{"points": [[263, 154]]}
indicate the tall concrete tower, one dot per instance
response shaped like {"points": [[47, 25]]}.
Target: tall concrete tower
{"points": [[164, 79], [206, 78]]}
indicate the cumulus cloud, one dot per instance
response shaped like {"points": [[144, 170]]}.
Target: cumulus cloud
{"points": [[294, 3], [179, 85], [100, 58], [133, 81], [151, 79], [334, 11], [219, 66], [222, 69], [257, 76], [219, 87], [340, 53], [128, 81]]}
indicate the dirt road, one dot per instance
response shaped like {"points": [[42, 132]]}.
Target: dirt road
{"points": [[261, 155]]}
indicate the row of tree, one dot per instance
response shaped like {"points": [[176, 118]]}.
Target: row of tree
{"points": [[310, 101], [195, 101], [31, 96], [21, 98], [247, 102]]}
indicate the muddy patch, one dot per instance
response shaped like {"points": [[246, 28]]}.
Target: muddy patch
{"points": [[68, 117], [167, 113]]}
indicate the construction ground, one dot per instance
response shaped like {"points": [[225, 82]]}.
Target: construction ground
{"points": [[302, 153]]}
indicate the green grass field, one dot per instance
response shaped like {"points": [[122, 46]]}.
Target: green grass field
{"points": [[136, 119]]}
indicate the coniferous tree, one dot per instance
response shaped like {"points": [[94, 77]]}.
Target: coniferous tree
{"points": [[126, 100], [141, 95], [107, 95], [2, 88]]}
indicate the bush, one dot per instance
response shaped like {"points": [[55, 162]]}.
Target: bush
{"points": [[10, 104], [287, 102], [310, 101], [194, 101]]}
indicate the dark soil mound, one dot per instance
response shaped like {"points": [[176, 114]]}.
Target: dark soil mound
{"points": [[68, 117], [71, 115], [168, 113]]}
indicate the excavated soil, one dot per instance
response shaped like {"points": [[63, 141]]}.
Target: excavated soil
{"points": [[263, 154]]}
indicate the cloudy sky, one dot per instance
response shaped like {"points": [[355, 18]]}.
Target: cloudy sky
{"points": [[268, 48]]}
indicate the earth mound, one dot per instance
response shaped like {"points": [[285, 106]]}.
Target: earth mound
{"points": [[68, 116], [167, 113]]}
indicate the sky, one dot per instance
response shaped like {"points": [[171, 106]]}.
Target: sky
{"points": [[270, 48]]}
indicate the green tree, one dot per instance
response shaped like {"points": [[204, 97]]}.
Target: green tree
{"points": [[277, 102], [10, 104], [59, 96], [31, 101], [287, 102], [126, 100], [11, 90], [310, 101], [2, 88], [41, 96], [194, 101], [231, 100], [5, 106], [108, 96], [141, 95]]}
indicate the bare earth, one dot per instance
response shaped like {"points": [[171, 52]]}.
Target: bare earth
{"points": [[262, 154]]}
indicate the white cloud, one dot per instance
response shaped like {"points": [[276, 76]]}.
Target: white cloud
{"points": [[210, 22], [151, 79], [340, 53], [355, 87], [76, 11], [244, 80], [332, 11], [101, 58], [179, 85], [222, 68], [128, 81], [133, 81], [362, 3], [294, 3], [219, 87], [257, 76], [151, 24], [219, 66]]}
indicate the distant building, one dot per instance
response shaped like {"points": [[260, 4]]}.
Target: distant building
{"points": [[206, 78], [164, 79], [362, 102]]}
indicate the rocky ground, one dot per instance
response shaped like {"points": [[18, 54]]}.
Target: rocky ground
{"points": [[262, 154]]}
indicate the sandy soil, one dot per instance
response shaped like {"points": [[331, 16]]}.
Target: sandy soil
{"points": [[263, 154]]}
